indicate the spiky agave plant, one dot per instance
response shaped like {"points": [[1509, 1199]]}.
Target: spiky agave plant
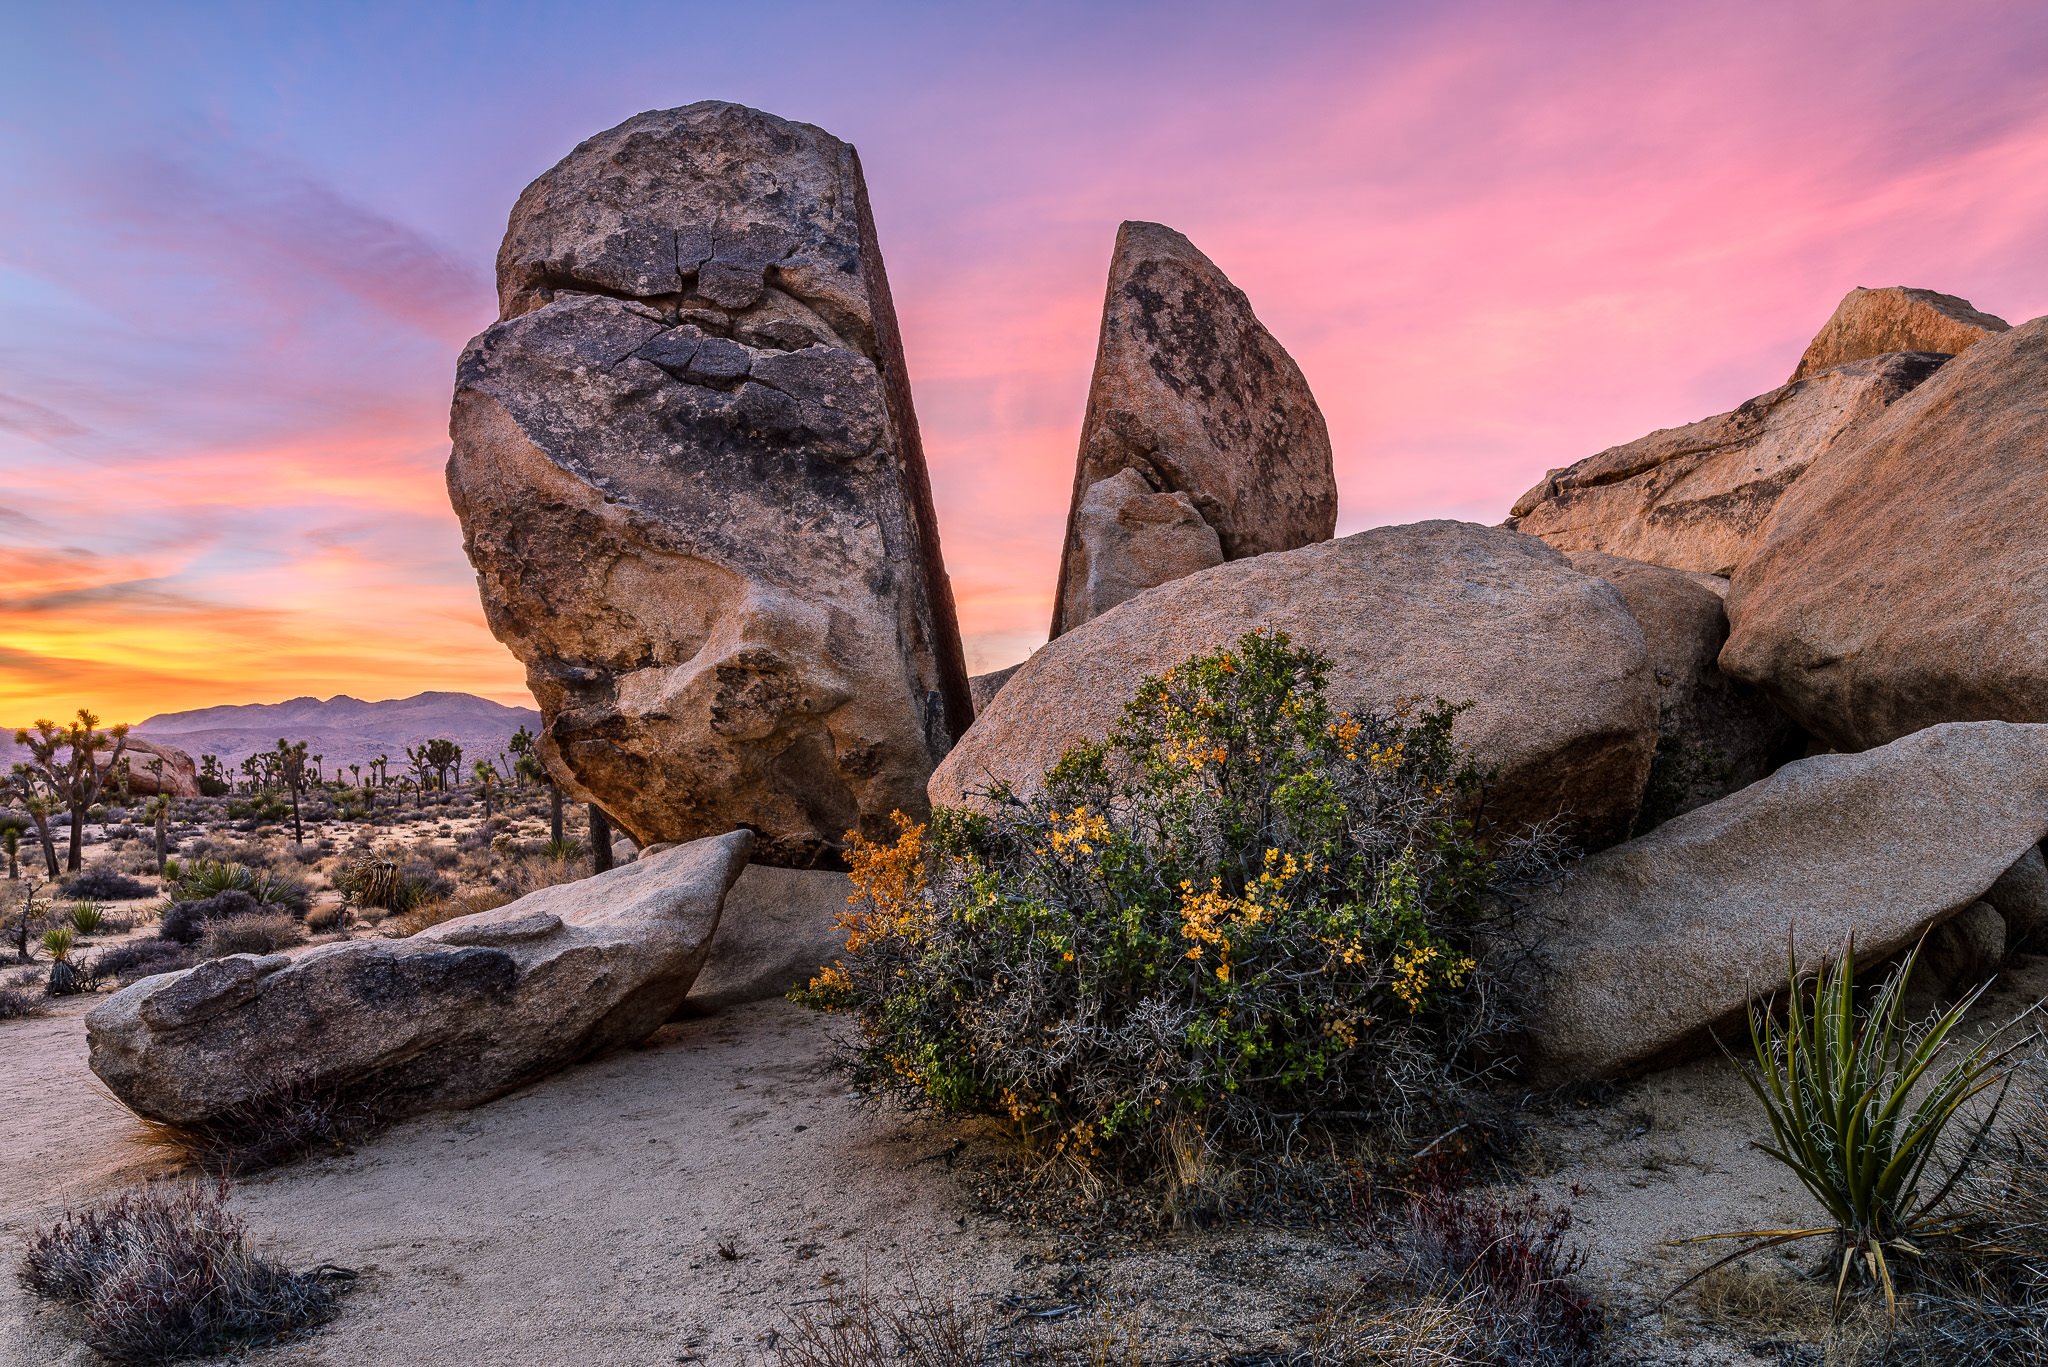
{"points": [[1858, 1112]]}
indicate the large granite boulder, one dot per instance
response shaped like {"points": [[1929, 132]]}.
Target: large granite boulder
{"points": [[149, 769], [2020, 897], [779, 928], [1201, 442], [453, 1016], [1694, 497], [1903, 581], [1564, 709], [1714, 734], [1650, 945], [1872, 322], [690, 480]]}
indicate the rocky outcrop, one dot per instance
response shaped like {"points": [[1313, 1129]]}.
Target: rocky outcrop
{"points": [[1872, 322], [1695, 497], [984, 687], [779, 928], [453, 1016], [690, 481], [1201, 442], [2020, 897], [1564, 709], [1649, 945], [1903, 581], [149, 769], [1714, 734]]}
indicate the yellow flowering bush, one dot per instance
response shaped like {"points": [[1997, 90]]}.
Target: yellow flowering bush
{"points": [[1242, 912]]}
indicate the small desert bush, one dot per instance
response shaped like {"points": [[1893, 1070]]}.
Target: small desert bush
{"points": [[448, 909], [1243, 911], [1859, 1112], [105, 885], [185, 922], [285, 1122], [1513, 1266], [87, 917], [371, 882], [140, 959], [17, 1001], [160, 1273], [855, 1328], [196, 880], [258, 934]]}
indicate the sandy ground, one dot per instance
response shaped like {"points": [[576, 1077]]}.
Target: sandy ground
{"points": [[580, 1221]]}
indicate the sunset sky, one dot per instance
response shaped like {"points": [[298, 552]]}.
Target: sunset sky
{"points": [[241, 247]]}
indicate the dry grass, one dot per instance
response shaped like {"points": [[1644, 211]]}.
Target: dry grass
{"points": [[248, 935], [1752, 1302], [447, 909], [160, 1273]]}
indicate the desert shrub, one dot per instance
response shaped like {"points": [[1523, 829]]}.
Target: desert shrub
{"points": [[448, 909], [855, 1328], [1859, 1113], [258, 934], [139, 959], [199, 879], [105, 885], [159, 1273], [185, 922], [1243, 910], [1513, 1266], [17, 1002], [369, 881]]}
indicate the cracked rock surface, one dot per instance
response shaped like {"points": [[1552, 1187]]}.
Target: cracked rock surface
{"points": [[1201, 444], [690, 480]]}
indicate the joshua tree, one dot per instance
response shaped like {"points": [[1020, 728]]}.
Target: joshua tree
{"points": [[76, 781], [26, 914], [212, 781], [12, 840], [445, 756], [160, 809], [355, 774], [485, 775], [530, 770], [290, 763]]}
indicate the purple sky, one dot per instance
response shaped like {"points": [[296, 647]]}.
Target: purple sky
{"points": [[241, 246]]}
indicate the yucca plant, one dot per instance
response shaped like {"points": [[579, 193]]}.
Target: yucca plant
{"points": [[1858, 1111], [87, 917], [57, 943]]}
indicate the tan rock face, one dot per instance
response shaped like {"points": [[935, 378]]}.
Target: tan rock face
{"points": [[1904, 580], [1192, 394], [1872, 322], [691, 483], [1714, 734], [779, 928], [154, 769], [1695, 497], [984, 687], [453, 1016], [1564, 706], [1652, 943]]}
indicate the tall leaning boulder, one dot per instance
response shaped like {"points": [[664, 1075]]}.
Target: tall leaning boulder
{"points": [[1897, 318], [690, 480], [1904, 580], [1695, 497], [1201, 443], [1650, 945], [1564, 708]]}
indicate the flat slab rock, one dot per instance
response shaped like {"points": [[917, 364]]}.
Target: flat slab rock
{"points": [[453, 1016], [1652, 944]]}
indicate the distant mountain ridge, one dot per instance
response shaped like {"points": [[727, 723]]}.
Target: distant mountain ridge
{"points": [[343, 730]]}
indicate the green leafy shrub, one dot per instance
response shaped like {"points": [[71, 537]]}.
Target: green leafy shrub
{"points": [[1242, 911], [1859, 1113]]}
